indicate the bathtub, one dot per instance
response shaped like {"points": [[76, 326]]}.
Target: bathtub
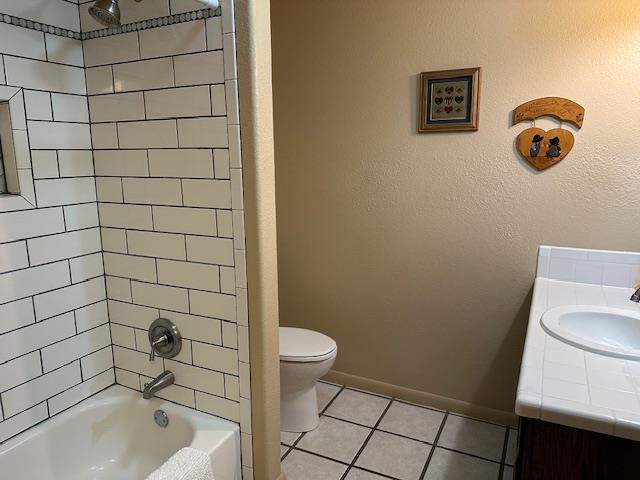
{"points": [[113, 436]]}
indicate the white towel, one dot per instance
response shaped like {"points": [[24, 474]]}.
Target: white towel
{"points": [[187, 464]]}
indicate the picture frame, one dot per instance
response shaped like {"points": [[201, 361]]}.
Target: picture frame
{"points": [[449, 100]]}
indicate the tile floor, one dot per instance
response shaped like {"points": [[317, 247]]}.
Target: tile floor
{"points": [[365, 436]]}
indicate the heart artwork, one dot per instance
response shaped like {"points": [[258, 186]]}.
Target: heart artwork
{"points": [[459, 98], [542, 148], [448, 109], [449, 90], [438, 100]]}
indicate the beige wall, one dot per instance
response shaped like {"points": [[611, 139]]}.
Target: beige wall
{"points": [[256, 112], [417, 252]]}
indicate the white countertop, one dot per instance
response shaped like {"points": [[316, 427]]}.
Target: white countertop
{"points": [[563, 384]]}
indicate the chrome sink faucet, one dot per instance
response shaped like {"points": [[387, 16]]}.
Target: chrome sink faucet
{"points": [[636, 296], [163, 380]]}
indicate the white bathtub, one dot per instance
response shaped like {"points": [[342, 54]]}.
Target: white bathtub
{"points": [[113, 436]]}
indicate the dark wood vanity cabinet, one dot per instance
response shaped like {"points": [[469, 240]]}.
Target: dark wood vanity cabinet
{"points": [[547, 451]]}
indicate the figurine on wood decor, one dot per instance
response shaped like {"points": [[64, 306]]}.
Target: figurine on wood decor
{"points": [[532, 141], [535, 145]]}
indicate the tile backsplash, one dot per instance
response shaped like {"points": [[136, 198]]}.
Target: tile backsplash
{"points": [[135, 145], [598, 267]]}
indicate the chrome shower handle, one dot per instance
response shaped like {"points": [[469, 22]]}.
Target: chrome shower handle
{"points": [[158, 342], [164, 338]]}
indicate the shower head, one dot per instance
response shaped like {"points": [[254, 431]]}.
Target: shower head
{"points": [[107, 12]]}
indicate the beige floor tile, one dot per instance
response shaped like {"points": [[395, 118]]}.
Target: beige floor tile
{"points": [[326, 392], [412, 421], [357, 474], [512, 447], [304, 466], [283, 450], [335, 439], [395, 456], [446, 465], [508, 473], [289, 438], [473, 436], [358, 407]]}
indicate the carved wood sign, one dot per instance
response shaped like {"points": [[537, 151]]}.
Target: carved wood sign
{"points": [[541, 148]]}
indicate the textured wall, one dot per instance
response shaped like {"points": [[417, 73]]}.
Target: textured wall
{"points": [[256, 107], [417, 252]]}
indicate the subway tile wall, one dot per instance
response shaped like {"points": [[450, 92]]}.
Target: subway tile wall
{"points": [[159, 108], [164, 119], [56, 13], [55, 342], [133, 11]]}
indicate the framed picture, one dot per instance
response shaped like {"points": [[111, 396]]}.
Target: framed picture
{"points": [[449, 100]]}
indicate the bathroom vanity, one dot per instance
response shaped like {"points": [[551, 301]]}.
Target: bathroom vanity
{"points": [[578, 393]]}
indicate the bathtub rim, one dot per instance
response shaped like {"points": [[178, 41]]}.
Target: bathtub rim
{"points": [[213, 435]]}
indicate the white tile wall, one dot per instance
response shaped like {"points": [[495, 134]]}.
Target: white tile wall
{"points": [[39, 75], [143, 75], [199, 68], [173, 40], [22, 42], [166, 172], [52, 302], [112, 49], [173, 237], [117, 107], [178, 102], [99, 80], [64, 50]]}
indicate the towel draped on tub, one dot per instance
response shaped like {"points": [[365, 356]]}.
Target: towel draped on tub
{"points": [[187, 464]]}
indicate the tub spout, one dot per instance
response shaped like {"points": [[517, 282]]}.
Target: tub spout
{"points": [[163, 380]]}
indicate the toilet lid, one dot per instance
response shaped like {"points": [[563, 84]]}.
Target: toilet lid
{"points": [[300, 345]]}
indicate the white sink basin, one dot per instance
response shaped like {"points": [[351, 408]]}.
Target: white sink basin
{"points": [[608, 331]]}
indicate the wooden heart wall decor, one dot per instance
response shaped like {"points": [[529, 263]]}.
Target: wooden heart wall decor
{"points": [[542, 148]]}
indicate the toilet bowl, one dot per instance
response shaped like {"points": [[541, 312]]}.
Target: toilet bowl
{"points": [[305, 356]]}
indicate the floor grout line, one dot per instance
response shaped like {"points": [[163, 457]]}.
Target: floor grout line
{"points": [[412, 438], [284, 455], [291, 447], [366, 441], [433, 448], [376, 428], [504, 454], [342, 388]]}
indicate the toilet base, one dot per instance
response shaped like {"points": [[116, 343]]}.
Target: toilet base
{"points": [[299, 410]]}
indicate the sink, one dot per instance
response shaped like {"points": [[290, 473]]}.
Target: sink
{"points": [[609, 331]]}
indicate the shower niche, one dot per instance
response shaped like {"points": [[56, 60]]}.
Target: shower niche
{"points": [[16, 179]]}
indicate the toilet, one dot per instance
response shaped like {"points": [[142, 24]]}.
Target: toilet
{"points": [[305, 356]]}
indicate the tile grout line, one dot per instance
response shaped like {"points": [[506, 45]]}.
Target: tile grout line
{"points": [[309, 452], [434, 446], [351, 465], [290, 447], [330, 402], [417, 439], [364, 445], [504, 454]]}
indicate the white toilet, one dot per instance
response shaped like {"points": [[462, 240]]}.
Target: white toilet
{"points": [[305, 356]]}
